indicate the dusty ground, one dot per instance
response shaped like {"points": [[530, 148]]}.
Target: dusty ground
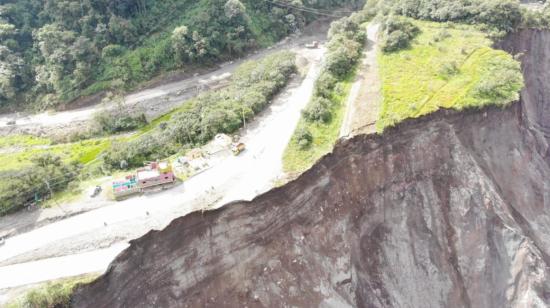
{"points": [[448, 210], [365, 97], [112, 224]]}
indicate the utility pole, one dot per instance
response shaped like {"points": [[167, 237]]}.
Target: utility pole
{"points": [[49, 188], [244, 119]]}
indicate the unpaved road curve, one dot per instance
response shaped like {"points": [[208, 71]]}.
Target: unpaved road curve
{"points": [[89, 262], [365, 97], [153, 102], [240, 177]]}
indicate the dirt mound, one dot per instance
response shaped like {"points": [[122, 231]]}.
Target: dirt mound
{"points": [[449, 210]]}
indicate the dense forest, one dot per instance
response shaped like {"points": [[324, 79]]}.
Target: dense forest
{"points": [[52, 51], [498, 16]]}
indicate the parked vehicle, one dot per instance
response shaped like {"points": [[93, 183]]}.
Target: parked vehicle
{"points": [[97, 190], [154, 175], [237, 148]]}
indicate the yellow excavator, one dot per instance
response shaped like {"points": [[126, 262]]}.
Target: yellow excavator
{"points": [[237, 148]]}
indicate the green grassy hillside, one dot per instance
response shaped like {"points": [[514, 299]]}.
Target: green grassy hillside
{"points": [[446, 66]]}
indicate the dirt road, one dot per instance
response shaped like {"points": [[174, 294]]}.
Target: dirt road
{"points": [[111, 226], [153, 102], [365, 97]]}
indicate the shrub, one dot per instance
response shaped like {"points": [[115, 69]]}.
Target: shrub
{"points": [[398, 33], [441, 35], [51, 295], [112, 50], [47, 174], [343, 55], [318, 110], [395, 41], [135, 153], [118, 121], [304, 138], [349, 27], [504, 15], [506, 87], [397, 23], [325, 84], [448, 70], [536, 19]]}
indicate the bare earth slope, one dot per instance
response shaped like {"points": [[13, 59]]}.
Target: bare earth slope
{"points": [[450, 210], [533, 47]]}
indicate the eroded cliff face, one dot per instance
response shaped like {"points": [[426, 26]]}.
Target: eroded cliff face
{"points": [[532, 47], [451, 210]]}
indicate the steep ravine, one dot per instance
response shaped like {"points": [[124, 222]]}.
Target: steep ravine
{"points": [[450, 210]]}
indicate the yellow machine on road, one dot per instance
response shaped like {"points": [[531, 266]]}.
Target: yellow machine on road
{"points": [[237, 148]]}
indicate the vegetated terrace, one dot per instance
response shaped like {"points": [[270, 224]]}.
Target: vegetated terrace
{"points": [[321, 120], [446, 66]]}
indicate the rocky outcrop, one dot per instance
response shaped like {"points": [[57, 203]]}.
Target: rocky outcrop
{"points": [[450, 210]]}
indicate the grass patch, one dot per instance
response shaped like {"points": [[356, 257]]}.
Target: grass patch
{"points": [[27, 147], [447, 66], [23, 140], [297, 159], [51, 294]]}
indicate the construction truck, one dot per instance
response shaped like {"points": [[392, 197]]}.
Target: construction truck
{"points": [[237, 148], [153, 175]]}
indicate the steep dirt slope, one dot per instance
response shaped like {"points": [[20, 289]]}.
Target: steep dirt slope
{"points": [[451, 210], [533, 48]]}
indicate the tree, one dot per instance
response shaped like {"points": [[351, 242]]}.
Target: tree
{"points": [[318, 110], [234, 8], [344, 53], [47, 174], [398, 32], [188, 46], [121, 30], [505, 15], [9, 70], [7, 30], [304, 138]]}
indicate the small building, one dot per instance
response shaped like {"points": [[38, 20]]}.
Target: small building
{"points": [[156, 173], [126, 187]]}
